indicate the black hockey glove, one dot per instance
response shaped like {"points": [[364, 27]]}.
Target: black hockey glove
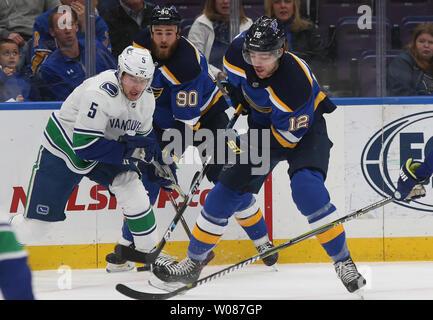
{"points": [[236, 96]]}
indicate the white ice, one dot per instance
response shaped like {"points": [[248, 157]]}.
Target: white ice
{"points": [[385, 281]]}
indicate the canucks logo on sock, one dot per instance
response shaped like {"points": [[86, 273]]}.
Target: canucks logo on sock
{"points": [[42, 209]]}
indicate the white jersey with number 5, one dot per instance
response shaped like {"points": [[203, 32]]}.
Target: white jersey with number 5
{"points": [[96, 109]]}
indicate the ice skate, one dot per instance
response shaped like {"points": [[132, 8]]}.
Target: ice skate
{"points": [[185, 271], [117, 263], [163, 262], [349, 275]]}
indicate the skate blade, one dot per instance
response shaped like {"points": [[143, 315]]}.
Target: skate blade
{"points": [[146, 267], [274, 268], [162, 285], [360, 293], [125, 267]]}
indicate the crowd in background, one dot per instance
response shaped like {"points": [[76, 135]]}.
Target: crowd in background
{"points": [[42, 44]]}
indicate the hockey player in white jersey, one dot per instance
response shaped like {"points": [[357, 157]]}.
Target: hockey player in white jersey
{"points": [[100, 131]]}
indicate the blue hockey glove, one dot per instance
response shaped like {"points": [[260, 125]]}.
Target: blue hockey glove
{"points": [[144, 148], [167, 171], [165, 178], [409, 186]]}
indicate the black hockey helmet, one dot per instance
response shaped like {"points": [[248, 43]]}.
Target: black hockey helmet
{"points": [[265, 34], [166, 16]]}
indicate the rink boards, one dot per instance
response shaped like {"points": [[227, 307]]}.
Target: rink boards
{"points": [[372, 137]]}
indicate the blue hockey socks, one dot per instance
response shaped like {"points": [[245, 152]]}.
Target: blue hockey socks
{"points": [[221, 203], [251, 219], [312, 199]]}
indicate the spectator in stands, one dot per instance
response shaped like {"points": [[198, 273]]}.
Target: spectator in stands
{"points": [[303, 38], [64, 69], [43, 44], [411, 73], [210, 32], [125, 20], [15, 86], [17, 18]]}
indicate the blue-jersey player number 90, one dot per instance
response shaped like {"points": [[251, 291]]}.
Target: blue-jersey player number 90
{"points": [[187, 98], [389, 148]]}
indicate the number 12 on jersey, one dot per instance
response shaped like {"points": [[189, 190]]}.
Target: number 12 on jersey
{"points": [[300, 122]]}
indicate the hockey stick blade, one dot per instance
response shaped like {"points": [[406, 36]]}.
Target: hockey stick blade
{"points": [[161, 296], [140, 295]]}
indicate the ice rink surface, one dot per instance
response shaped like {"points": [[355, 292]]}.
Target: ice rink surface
{"points": [[252, 292], [385, 281]]}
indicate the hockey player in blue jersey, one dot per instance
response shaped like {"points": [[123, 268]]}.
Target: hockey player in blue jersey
{"points": [[188, 99], [286, 100]]}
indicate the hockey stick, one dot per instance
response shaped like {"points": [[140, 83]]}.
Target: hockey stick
{"points": [[166, 172], [211, 254], [182, 219], [131, 254], [162, 296]]}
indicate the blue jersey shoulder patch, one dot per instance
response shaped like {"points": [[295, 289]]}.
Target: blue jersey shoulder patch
{"points": [[110, 88]]}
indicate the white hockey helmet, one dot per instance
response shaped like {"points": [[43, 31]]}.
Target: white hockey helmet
{"points": [[136, 62]]}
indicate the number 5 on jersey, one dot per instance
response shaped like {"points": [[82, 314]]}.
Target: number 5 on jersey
{"points": [[93, 110]]}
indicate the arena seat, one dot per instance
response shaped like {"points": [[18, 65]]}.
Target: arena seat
{"points": [[330, 11], [396, 10], [351, 41], [408, 24], [367, 71]]}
